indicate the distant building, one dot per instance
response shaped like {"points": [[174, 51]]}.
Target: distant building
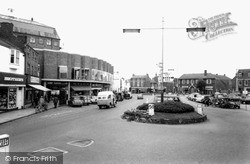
{"points": [[140, 83], [242, 80], [221, 83]]}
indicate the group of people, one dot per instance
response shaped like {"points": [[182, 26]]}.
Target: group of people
{"points": [[42, 104]]}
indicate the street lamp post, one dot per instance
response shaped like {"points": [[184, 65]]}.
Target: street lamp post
{"points": [[202, 29]]}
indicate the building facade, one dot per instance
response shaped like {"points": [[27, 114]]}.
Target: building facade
{"points": [[242, 80], [214, 83], [12, 78], [140, 83], [47, 68]]}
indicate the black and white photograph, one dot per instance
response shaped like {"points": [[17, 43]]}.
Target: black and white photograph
{"points": [[124, 82]]}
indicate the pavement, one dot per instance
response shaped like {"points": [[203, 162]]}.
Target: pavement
{"points": [[17, 114]]}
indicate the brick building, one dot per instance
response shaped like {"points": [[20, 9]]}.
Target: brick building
{"points": [[140, 83], [242, 80], [221, 83], [62, 72]]}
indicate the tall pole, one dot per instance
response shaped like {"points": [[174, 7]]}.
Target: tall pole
{"points": [[162, 68], [162, 93]]}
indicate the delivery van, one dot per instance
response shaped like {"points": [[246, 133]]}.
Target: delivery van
{"points": [[106, 99]]}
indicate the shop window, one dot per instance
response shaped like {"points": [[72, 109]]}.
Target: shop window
{"points": [[63, 72], [75, 74], [3, 98]]}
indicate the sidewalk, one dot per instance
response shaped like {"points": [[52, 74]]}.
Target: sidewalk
{"points": [[17, 114]]}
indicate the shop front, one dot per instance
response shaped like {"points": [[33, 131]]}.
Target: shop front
{"points": [[34, 90], [77, 88], [59, 89], [12, 91]]}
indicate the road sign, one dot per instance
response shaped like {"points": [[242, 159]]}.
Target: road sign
{"points": [[4, 148]]}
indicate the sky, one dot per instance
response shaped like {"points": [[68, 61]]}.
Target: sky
{"points": [[95, 28]]}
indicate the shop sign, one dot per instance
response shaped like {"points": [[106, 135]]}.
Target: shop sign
{"points": [[34, 80], [9, 78]]}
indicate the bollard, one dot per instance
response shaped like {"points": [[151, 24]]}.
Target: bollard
{"points": [[4, 148], [151, 110]]}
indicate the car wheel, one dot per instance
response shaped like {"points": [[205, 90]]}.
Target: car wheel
{"points": [[100, 107]]}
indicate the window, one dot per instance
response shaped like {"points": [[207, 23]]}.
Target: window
{"points": [[48, 42], [17, 57], [38, 70], [28, 68], [32, 40], [63, 72], [85, 73], [240, 74], [56, 44], [75, 73], [183, 81], [40, 41], [187, 81], [246, 82], [12, 56], [240, 82], [192, 81], [208, 81], [248, 74]]}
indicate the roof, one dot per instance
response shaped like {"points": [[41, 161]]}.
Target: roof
{"points": [[30, 27], [202, 76], [139, 76]]}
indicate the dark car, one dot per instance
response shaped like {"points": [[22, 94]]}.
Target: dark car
{"points": [[119, 96], [245, 100], [127, 95], [75, 101], [167, 98]]}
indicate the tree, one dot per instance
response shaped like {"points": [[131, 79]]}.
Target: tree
{"points": [[201, 84]]}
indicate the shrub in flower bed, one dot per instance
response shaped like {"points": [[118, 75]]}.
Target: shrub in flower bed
{"points": [[169, 107]]}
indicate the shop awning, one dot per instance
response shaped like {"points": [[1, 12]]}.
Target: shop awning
{"points": [[80, 88], [39, 87], [96, 88]]}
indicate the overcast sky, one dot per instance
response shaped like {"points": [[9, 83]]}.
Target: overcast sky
{"points": [[94, 28]]}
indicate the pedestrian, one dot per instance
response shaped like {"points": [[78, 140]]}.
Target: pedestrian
{"points": [[55, 101]]}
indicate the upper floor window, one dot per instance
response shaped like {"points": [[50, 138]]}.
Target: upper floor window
{"points": [[14, 56], [246, 82], [183, 81], [248, 74], [32, 40], [48, 42], [56, 43], [187, 81], [40, 40], [192, 81], [76, 73], [63, 72], [85, 73], [240, 82], [209, 81]]}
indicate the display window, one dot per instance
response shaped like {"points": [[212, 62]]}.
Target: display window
{"points": [[12, 98], [3, 98]]}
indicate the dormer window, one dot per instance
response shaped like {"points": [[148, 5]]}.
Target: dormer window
{"points": [[32, 40]]}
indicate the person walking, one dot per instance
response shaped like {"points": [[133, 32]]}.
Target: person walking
{"points": [[55, 101]]}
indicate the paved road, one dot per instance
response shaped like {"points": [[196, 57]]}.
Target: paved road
{"points": [[224, 138]]}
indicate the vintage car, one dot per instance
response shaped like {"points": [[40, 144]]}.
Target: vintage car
{"points": [[85, 100], [75, 101], [140, 96], [167, 98]]}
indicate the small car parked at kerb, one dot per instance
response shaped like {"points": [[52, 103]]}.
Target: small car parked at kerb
{"points": [[75, 101]]}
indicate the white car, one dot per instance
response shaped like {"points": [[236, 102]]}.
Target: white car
{"points": [[106, 99], [199, 98]]}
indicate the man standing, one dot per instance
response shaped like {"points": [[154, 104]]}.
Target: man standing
{"points": [[55, 101]]}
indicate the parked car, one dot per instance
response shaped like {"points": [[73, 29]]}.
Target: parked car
{"points": [[75, 101], [193, 96], [199, 98], [245, 100], [207, 100], [85, 100], [128, 95], [140, 96], [167, 98], [106, 99]]}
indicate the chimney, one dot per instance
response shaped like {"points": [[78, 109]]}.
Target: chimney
{"points": [[6, 29], [205, 72], [32, 19]]}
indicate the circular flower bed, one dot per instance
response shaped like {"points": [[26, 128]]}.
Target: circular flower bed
{"points": [[168, 112]]}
